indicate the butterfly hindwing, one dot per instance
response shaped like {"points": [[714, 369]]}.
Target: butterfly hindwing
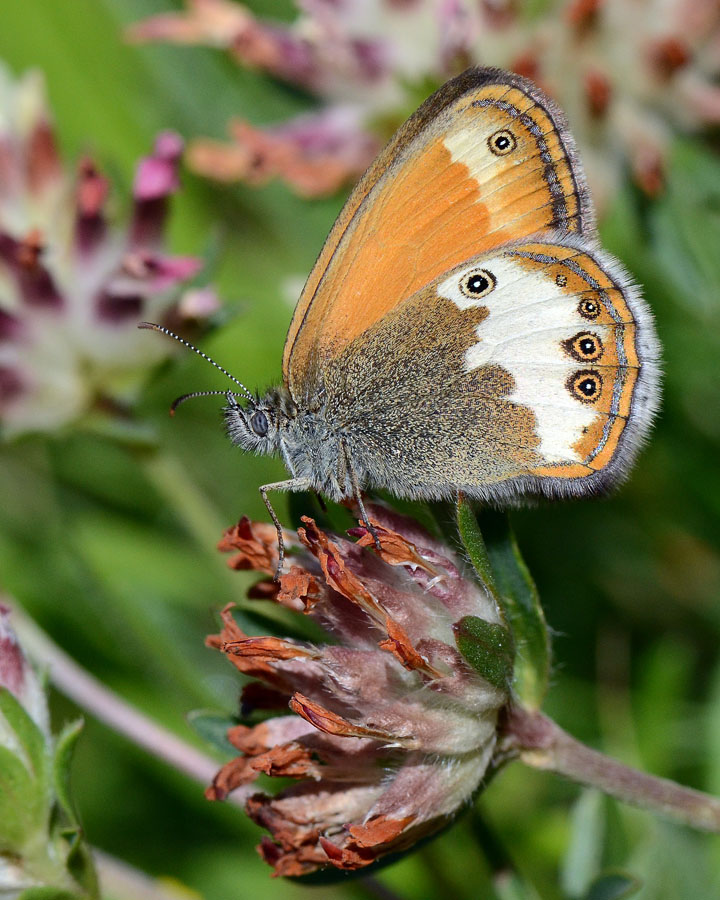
{"points": [[533, 366], [488, 159]]}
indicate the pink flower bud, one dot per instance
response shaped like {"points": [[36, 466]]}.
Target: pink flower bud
{"points": [[18, 676]]}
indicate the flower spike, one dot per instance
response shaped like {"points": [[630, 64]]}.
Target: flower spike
{"points": [[393, 730]]}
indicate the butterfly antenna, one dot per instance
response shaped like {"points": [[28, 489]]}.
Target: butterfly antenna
{"points": [[151, 326], [185, 397]]}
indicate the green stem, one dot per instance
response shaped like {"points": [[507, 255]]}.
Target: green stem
{"points": [[538, 742]]}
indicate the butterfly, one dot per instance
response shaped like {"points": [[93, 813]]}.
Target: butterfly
{"points": [[462, 330]]}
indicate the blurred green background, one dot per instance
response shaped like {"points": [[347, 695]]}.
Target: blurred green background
{"points": [[111, 546]]}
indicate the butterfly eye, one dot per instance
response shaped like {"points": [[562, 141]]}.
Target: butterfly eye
{"points": [[477, 283], [502, 142], [585, 347], [589, 309], [259, 423], [585, 385]]}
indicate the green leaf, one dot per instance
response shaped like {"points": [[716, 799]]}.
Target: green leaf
{"points": [[583, 859], [29, 735], [213, 727], [613, 886], [488, 647], [23, 802], [78, 858], [522, 608], [474, 544], [79, 862], [64, 750]]}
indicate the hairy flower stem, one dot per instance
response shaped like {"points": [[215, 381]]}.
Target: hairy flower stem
{"points": [[538, 742], [97, 699]]}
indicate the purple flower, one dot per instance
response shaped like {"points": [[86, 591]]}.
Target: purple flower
{"points": [[73, 285], [629, 75], [315, 153], [391, 730]]}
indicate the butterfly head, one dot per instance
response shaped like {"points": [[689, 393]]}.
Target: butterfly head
{"points": [[255, 426], [259, 425]]}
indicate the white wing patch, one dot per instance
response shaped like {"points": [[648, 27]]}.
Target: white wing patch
{"points": [[470, 147], [529, 318]]}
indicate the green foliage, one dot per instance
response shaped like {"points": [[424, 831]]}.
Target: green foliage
{"points": [[24, 778], [21, 803], [48, 893], [114, 554], [488, 647], [495, 555], [476, 549], [64, 749], [30, 738], [39, 830]]}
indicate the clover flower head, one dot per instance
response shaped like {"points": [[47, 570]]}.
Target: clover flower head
{"points": [[72, 286], [391, 730]]}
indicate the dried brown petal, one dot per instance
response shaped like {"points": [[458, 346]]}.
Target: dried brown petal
{"points": [[232, 775], [399, 645], [267, 648], [365, 841], [299, 590], [395, 550], [287, 761], [256, 545], [331, 723]]}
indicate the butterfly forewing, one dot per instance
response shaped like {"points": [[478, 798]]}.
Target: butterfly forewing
{"points": [[487, 160]]}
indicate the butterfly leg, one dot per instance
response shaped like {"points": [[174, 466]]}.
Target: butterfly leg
{"points": [[359, 499], [370, 526], [292, 484]]}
